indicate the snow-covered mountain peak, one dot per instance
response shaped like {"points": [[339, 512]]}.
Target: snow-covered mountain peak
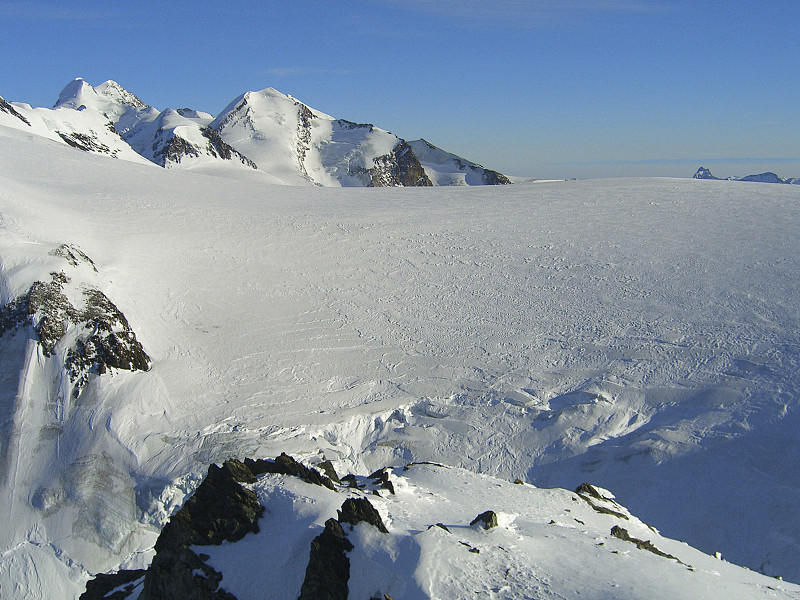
{"points": [[79, 93], [266, 130], [76, 94], [122, 108], [114, 91]]}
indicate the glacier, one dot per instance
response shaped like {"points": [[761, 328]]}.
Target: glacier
{"points": [[640, 334]]}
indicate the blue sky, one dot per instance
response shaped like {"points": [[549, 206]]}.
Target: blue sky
{"points": [[547, 88]]}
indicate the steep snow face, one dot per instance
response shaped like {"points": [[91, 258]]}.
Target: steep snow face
{"points": [[641, 334], [445, 168], [273, 130]]}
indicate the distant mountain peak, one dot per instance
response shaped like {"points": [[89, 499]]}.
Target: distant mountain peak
{"points": [[768, 177], [703, 173]]}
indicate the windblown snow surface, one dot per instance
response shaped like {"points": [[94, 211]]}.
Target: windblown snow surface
{"points": [[640, 334]]}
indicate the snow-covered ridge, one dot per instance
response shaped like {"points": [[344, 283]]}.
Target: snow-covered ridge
{"points": [[418, 531], [269, 131]]}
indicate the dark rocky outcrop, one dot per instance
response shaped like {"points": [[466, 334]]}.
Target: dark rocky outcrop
{"points": [[218, 148], [286, 465], [329, 470], [381, 479], [768, 177], [223, 510], [106, 340], [357, 510], [494, 178], [622, 534], [588, 492], [304, 118], [7, 108], [113, 586], [220, 510], [109, 342], [176, 148], [398, 168], [86, 142], [487, 520], [328, 569], [73, 255]]}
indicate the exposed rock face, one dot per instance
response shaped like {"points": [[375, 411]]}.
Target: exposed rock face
{"points": [[219, 149], [356, 510], [703, 173], [105, 339], [398, 168], [622, 534], [174, 150], [6, 107], [449, 169], [114, 586], [487, 520], [767, 177], [329, 470], [223, 510], [598, 501], [220, 510], [381, 478], [304, 118], [494, 178], [86, 142], [286, 465], [328, 568]]}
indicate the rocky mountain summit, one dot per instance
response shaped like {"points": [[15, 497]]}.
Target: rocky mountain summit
{"points": [[768, 177], [266, 131]]}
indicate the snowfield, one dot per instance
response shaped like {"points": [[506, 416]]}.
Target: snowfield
{"points": [[639, 334]]}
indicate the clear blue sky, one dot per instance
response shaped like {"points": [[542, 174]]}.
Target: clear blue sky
{"points": [[547, 88]]}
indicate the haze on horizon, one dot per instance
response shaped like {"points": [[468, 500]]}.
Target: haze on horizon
{"points": [[576, 88]]}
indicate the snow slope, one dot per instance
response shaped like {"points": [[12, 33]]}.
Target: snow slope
{"points": [[445, 168], [639, 334]]}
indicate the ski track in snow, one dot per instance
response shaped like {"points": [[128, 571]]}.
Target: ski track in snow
{"points": [[640, 334]]}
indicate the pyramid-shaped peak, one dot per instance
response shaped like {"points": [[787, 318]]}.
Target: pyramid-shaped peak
{"points": [[74, 93], [114, 91]]}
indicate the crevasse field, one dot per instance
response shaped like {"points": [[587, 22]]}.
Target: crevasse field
{"points": [[639, 334]]}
